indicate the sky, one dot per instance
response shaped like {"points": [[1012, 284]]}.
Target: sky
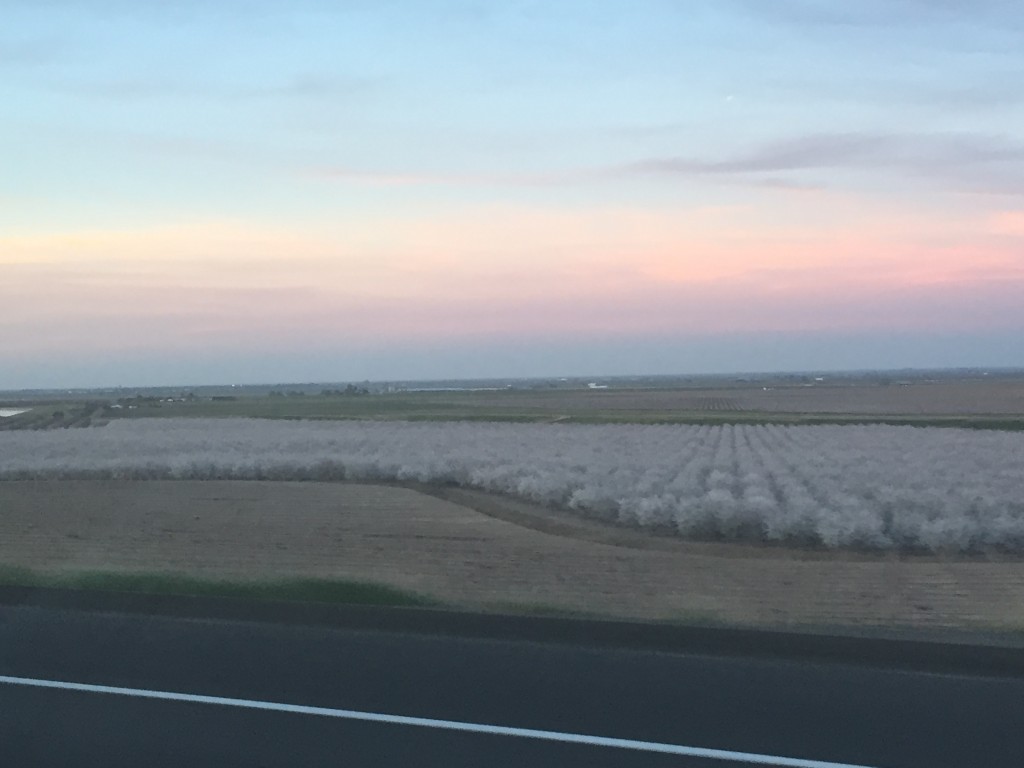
{"points": [[199, 191]]}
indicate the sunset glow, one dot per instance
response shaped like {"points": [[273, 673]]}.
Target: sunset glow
{"points": [[254, 192]]}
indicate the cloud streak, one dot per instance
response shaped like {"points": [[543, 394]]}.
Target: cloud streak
{"points": [[968, 162], [976, 162]]}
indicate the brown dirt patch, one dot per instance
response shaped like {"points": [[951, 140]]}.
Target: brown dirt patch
{"points": [[950, 398], [970, 397], [447, 550]]}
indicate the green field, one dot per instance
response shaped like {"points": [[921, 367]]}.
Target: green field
{"points": [[601, 407], [304, 589], [975, 404]]}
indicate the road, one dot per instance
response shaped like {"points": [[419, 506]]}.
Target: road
{"points": [[215, 692]]}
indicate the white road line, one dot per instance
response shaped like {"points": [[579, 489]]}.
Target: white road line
{"points": [[426, 722]]}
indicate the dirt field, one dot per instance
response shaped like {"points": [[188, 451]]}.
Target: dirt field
{"points": [[510, 555], [946, 398], [940, 398], [975, 400]]}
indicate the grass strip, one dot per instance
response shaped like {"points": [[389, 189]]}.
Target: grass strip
{"points": [[292, 590]]}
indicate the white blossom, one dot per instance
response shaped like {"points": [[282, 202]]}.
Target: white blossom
{"points": [[876, 487]]}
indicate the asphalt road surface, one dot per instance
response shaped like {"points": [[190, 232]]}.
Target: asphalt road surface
{"points": [[93, 688]]}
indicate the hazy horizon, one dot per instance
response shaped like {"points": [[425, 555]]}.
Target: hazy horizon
{"points": [[579, 375], [240, 192], [568, 358]]}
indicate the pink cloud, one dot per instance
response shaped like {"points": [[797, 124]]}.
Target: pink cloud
{"points": [[1008, 223], [500, 271]]}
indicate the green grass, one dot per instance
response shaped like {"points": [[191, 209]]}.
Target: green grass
{"points": [[562, 406], [689, 618], [695, 617], [516, 406], [310, 407], [293, 590], [544, 610]]}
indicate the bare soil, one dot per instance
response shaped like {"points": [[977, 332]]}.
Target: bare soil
{"points": [[502, 554], [998, 397], [941, 398]]}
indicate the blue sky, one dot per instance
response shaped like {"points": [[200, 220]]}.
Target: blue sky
{"points": [[316, 189]]}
